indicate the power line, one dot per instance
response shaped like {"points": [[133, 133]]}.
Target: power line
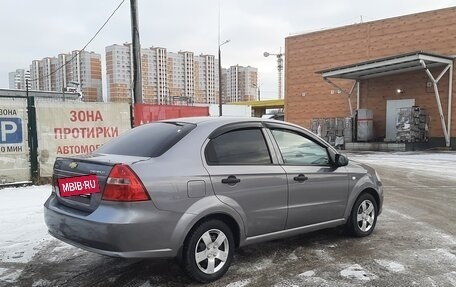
{"points": [[83, 48]]}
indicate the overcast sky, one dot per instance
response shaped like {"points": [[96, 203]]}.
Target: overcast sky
{"points": [[32, 29]]}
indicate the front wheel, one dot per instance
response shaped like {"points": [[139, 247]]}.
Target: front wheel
{"points": [[208, 251], [363, 216]]}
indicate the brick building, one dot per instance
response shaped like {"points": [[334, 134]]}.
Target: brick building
{"points": [[333, 53]]}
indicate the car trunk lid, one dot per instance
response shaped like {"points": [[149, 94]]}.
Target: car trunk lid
{"points": [[99, 165]]}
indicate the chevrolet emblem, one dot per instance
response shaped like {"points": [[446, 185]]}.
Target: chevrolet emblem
{"points": [[73, 165]]}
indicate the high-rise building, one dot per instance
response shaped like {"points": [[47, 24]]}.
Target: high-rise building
{"points": [[118, 71], [166, 77], [18, 79], [76, 70], [240, 83]]}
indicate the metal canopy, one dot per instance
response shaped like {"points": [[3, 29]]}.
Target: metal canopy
{"points": [[387, 66], [403, 63]]}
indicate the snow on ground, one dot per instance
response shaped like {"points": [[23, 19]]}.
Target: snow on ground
{"points": [[241, 283], [440, 164], [357, 272], [21, 221]]}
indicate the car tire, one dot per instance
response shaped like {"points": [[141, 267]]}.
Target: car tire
{"points": [[363, 216], [208, 251]]}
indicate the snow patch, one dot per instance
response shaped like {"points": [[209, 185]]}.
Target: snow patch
{"points": [[64, 251], [286, 283], [293, 256], [391, 266], [241, 283], [20, 242], [146, 284], [265, 263], [445, 254], [447, 237], [357, 272], [438, 164], [323, 255], [397, 213], [307, 274], [9, 275], [41, 282]]}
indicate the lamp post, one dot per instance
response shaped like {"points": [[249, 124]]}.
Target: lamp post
{"points": [[220, 75], [279, 68]]}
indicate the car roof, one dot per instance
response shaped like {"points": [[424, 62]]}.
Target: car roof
{"points": [[214, 122], [197, 120]]}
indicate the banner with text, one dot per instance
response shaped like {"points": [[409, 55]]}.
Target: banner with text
{"points": [[68, 129], [14, 152]]}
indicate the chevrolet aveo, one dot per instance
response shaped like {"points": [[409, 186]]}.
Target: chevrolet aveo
{"points": [[198, 188]]}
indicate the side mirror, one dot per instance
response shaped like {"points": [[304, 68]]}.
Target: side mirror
{"points": [[341, 160]]}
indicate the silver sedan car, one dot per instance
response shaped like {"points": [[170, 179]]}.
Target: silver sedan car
{"points": [[198, 188]]}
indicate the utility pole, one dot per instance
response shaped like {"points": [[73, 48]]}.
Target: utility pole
{"points": [[220, 80], [137, 83]]}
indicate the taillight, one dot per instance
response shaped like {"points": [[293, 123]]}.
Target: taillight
{"points": [[124, 185]]}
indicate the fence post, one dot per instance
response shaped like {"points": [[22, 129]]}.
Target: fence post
{"points": [[32, 139], [132, 115]]}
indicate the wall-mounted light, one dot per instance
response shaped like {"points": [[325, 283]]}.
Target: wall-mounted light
{"points": [[399, 91]]}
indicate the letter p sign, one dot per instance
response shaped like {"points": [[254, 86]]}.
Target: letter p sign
{"points": [[10, 130]]}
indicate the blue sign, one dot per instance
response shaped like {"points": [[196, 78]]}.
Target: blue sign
{"points": [[10, 130]]}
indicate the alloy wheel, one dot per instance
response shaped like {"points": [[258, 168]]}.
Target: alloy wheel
{"points": [[366, 215], [211, 251]]}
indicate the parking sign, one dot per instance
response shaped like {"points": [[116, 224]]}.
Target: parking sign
{"points": [[10, 130]]}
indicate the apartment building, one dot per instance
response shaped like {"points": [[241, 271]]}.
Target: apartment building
{"points": [[167, 77], [18, 79], [118, 71], [240, 83], [76, 70]]}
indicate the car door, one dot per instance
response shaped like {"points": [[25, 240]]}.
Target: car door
{"points": [[244, 177], [318, 190]]}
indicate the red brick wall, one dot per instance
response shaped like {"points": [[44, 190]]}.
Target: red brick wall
{"points": [[309, 96]]}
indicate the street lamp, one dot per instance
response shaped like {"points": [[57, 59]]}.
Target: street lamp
{"points": [[220, 75], [279, 68]]}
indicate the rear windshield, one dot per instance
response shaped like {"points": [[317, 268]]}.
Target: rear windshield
{"points": [[150, 140]]}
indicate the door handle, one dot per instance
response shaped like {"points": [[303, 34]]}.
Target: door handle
{"points": [[231, 180], [300, 178]]}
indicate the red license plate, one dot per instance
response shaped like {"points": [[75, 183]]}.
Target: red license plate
{"points": [[84, 184]]}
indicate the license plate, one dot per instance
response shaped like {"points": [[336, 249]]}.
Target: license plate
{"points": [[78, 185]]}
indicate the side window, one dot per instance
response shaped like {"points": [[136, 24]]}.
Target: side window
{"points": [[299, 150], [239, 147]]}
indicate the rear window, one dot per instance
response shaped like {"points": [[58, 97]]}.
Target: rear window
{"points": [[151, 140]]}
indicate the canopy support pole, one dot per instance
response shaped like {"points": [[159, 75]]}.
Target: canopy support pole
{"points": [[446, 132], [345, 92]]}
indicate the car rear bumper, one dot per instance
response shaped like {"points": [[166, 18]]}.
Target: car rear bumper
{"points": [[129, 230]]}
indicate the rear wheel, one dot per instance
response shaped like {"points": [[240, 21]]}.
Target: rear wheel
{"points": [[363, 216], [208, 251]]}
